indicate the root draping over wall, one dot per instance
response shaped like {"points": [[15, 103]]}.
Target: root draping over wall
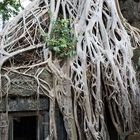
{"points": [[100, 74]]}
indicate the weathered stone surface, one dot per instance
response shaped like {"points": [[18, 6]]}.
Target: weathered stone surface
{"points": [[24, 104], [133, 137], [131, 11], [3, 126], [25, 86]]}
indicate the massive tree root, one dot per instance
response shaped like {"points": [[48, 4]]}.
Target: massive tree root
{"points": [[99, 78]]}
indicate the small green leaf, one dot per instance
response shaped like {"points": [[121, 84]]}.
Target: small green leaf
{"points": [[56, 49]]}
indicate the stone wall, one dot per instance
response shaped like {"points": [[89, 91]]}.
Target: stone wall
{"points": [[131, 11]]}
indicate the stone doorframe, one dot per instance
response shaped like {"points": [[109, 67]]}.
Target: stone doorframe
{"points": [[42, 123]]}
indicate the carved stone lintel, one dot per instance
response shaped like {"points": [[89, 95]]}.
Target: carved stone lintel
{"points": [[25, 104]]}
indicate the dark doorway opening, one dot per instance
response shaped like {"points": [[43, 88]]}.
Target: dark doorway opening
{"points": [[111, 129], [25, 128]]}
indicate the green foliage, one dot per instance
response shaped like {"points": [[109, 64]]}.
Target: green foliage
{"points": [[62, 41], [9, 8]]}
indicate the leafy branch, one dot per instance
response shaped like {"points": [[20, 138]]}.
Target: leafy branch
{"points": [[61, 41]]}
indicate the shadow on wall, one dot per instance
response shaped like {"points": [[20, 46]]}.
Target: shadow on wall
{"points": [[131, 11], [133, 137]]}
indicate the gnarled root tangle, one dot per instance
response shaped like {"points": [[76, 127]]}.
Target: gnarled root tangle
{"points": [[99, 78]]}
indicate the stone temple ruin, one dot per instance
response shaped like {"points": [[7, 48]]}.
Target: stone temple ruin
{"points": [[24, 115], [28, 114]]}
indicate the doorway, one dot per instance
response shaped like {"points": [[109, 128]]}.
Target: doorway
{"points": [[25, 128]]}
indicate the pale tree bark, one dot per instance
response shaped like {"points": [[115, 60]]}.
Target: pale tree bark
{"points": [[100, 73]]}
